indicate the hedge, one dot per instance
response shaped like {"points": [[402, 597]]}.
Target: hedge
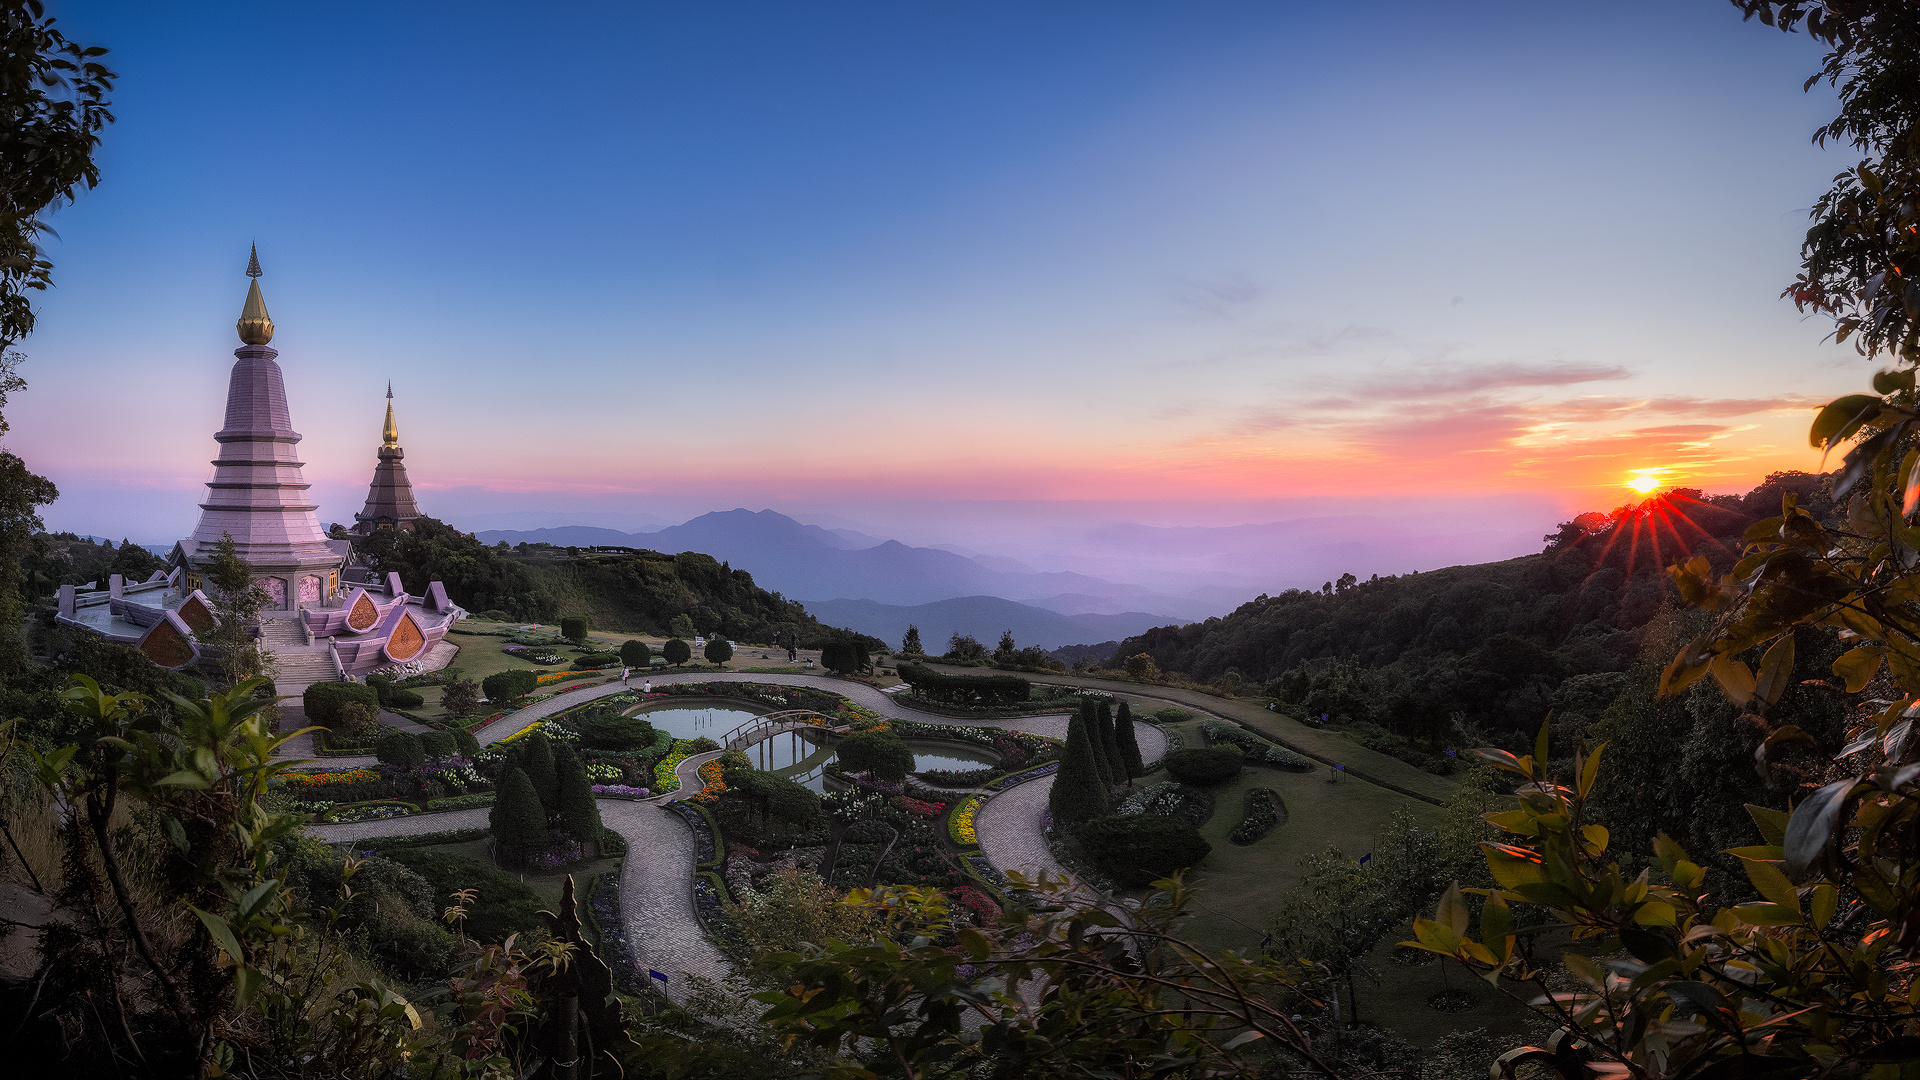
{"points": [[324, 701], [1213, 765], [990, 690], [504, 686], [1141, 849]]}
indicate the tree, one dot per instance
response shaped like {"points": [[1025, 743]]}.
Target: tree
{"points": [[842, 656], [574, 628], [1129, 743], [682, 626], [506, 687], [1331, 921], [579, 814], [676, 651], [1096, 726], [635, 653], [518, 821], [460, 699], [1078, 794], [719, 650], [962, 648], [880, 754], [21, 494], [1110, 746], [535, 758], [910, 645], [1141, 668], [237, 602], [1003, 652], [399, 749], [795, 906]]}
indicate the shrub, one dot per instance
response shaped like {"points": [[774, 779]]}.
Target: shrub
{"points": [[579, 816], [1260, 814], [1256, 749], [702, 745], [439, 745], [1078, 792], [636, 653], [1184, 803], [843, 657], [880, 754], [504, 686], [676, 652], [574, 628], [783, 805], [1172, 714], [405, 699], [383, 686], [465, 743], [460, 699], [595, 660], [1129, 744], [1141, 849], [1206, 766], [607, 730], [535, 758], [502, 905], [518, 822], [719, 651], [325, 702], [990, 690], [398, 748]]}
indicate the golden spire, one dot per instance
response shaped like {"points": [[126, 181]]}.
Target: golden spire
{"points": [[255, 326], [390, 433]]}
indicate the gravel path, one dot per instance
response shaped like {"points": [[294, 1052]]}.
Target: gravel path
{"points": [[412, 825], [1009, 829], [656, 892]]}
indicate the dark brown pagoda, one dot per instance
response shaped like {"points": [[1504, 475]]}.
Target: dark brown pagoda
{"points": [[390, 496]]}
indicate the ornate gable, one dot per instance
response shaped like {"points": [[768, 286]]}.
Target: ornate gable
{"points": [[362, 615], [166, 646], [196, 614], [407, 639]]}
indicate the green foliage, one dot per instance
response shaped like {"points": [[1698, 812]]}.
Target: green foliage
{"points": [[406, 699], [579, 815], [676, 651], [534, 756], [636, 653], [719, 650], [606, 729], [382, 685], [1128, 742], [517, 820], [237, 601], [438, 745], [476, 576], [398, 748], [460, 699], [465, 743], [880, 754], [965, 690], [574, 628], [1206, 765], [1172, 714], [1260, 814], [910, 645], [1140, 849], [326, 703], [502, 905], [963, 649], [1115, 758], [844, 656], [594, 660], [682, 626], [1098, 736], [1078, 794], [503, 687], [761, 807]]}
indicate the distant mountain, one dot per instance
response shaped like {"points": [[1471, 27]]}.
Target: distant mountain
{"points": [[983, 617], [562, 536]]}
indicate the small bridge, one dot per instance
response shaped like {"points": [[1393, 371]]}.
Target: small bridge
{"points": [[766, 727]]}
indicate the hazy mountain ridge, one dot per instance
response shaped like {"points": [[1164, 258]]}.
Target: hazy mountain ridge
{"points": [[982, 617]]}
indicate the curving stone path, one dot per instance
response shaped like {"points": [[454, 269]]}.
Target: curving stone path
{"points": [[663, 929]]}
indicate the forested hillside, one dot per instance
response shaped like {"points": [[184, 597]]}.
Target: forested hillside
{"points": [[1491, 646], [634, 591]]}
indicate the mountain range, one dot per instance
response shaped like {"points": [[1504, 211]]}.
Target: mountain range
{"points": [[982, 618]]}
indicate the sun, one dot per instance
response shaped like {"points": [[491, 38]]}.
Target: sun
{"points": [[1644, 483]]}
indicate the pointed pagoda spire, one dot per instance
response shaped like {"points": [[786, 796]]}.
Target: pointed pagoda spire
{"points": [[390, 432], [255, 327]]}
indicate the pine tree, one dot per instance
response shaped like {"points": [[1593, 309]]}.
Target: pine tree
{"points": [[1110, 737], [519, 824], [536, 760], [1078, 794], [1129, 745], [579, 814], [910, 645], [1097, 737]]}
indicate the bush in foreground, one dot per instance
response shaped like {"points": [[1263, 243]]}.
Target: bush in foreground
{"points": [[1143, 848], [501, 906]]}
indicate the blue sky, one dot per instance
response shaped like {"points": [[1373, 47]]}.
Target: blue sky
{"points": [[844, 258]]}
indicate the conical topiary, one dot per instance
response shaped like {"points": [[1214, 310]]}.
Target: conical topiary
{"points": [[518, 822], [1090, 719], [536, 760], [1129, 744], [579, 815], [1110, 742], [1078, 793]]}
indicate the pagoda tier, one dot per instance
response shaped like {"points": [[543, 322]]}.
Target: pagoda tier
{"points": [[390, 496]]}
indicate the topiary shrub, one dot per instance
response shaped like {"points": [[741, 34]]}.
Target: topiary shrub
{"points": [[398, 748], [1172, 714], [880, 754], [759, 807], [579, 815], [505, 686], [574, 628], [676, 652], [1206, 765], [405, 699], [594, 660], [517, 820], [636, 653], [611, 731], [325, 702], [465, 743], [719, 651], [383, 686], [439, 745], [1141, 849]]}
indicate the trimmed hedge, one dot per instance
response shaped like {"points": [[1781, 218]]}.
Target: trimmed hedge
{"points": [[594, 661], [1262, 813], [601, 731], [405, 699], [989, 690], [323, 701], [1211, 765], [1141, 849], [503, 686]]}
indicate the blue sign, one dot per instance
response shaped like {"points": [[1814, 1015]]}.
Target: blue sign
{"points": [[657, 975], [1364, 859]]}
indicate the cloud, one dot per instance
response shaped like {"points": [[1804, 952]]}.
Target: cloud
{"points": [[1479, 378]]}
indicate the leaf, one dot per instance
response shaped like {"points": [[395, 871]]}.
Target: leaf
{"points": [[1540, 747], [1769, 882], [1496, 927], [1776, 670], [1826, 899], [1858, 666], [1810, 830], [1841, 418], [1596, 837], [1735, 678], [1453, 911], [222, 934], [257, 896], [1591, 771], [1687, 666]]}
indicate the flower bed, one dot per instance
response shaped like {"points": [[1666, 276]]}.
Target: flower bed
{"points": [[556, 676], [603, 901], [1173, 799], [461, 802], [620, 791], [712, 782], [705, 833], [960, 825], [372, 810], [1015, 749], [978, 904], [1261, 814], [1259, 751], [1011, 779], [921, 807], [664, 778], [476, 725]]}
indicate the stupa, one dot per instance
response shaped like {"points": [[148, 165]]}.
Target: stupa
{"points": [[318, 625], [390, 496]]}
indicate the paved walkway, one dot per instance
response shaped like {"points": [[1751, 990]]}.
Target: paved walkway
{"points": [[1009, 828]]}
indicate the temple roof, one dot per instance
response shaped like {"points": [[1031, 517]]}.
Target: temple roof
{"points": [[390, 496], [255, 325]]}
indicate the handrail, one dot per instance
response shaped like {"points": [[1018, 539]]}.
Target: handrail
{"points": [[794, 717]]}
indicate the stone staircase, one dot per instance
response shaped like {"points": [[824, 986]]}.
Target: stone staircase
{"points": [[281, 635], [302, 668]]}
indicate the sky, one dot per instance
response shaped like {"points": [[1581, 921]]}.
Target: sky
{"points": [[914, 265]]}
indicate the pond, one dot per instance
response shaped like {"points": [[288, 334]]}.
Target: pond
{"points": [[694, 721], [800, 756]]}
